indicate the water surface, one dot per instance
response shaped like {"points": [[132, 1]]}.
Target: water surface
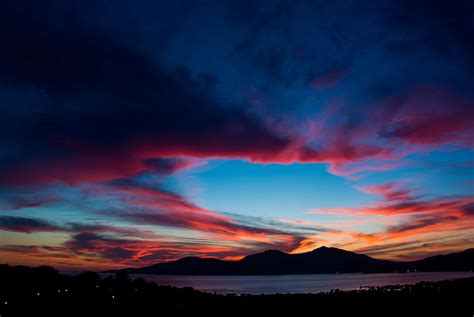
{"points": [[313, 283]]}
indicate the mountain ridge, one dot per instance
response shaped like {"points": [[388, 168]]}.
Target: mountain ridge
{"points": [[322, 260]]}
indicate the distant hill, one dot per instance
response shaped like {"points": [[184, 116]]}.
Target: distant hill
{"points": [[460, 261], [319, 261]]}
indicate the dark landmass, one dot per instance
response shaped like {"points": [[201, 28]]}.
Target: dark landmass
{"points": [[42, 291], [319, 261]]}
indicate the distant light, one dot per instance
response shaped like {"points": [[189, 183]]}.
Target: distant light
{"points": [[59, 291], [136, 290], [38, 294], [113, 296], [6, 303], [66, 289], [97, 286]]}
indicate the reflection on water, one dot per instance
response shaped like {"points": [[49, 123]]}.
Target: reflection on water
{"points": [[314, 283]]}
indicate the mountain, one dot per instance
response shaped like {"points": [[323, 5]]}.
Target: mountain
{"points": [[319, 261], [461, 261], [186, 266]]}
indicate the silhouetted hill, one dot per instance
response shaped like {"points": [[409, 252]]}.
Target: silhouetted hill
{"points": [[319, 261], [333, 260], [189, 266], [460, 261]]}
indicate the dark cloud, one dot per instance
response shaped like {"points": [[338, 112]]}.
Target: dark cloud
{"points": [[20, 200], [468, 209], [429, 116], [167, 166], [87, 104], [39, 252], [436, 26], [106, 101], [28, 225]]}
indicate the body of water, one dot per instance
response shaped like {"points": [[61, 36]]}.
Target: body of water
{"points": [[313, 283]]}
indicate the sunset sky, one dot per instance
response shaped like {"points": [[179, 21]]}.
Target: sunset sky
{"points": [[135, 132]]}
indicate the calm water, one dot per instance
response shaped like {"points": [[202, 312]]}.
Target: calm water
{"points": [[314, 283]]}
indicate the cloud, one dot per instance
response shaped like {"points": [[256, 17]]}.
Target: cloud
{"points": [[110, 126], [410, 237], [368, 237], [167, 166], [33, 225], [146, 205], [143, 210], [123, 112], [429, 116], [406, 223], [20, 200], [442, 29], [105, 246], [355, 170], [96, 97], [447, 203], [28, 225], [468, 209], [397, 200], [310, 226], [391, 192], [34, 251], [416, 223], [327, 80], [145, 252]]}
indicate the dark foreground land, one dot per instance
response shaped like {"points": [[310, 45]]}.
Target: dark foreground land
{"points": [[42, 291]]}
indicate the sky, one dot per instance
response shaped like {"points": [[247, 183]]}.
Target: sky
{"points": [[136, 132]]}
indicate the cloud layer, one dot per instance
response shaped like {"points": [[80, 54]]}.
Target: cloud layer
{"points": [[103, 104]]}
